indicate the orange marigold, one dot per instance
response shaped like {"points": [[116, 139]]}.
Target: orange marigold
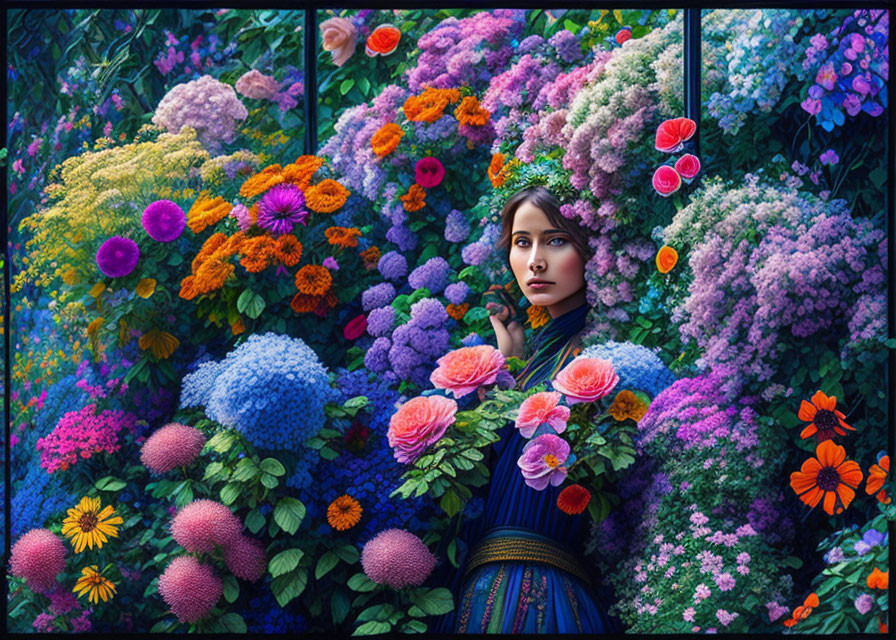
{"points": [[497, 171], [313, 280], [188, 289], [414, 199], [209, 247], [212, 274], [344, 513], [262, 181], [469, 112], [238, 327], [430, 105], [302, 303], [206, 211], [343, 237], [232, 246], [326, 196], [371, 257], [299, 173], [538, 315], [386, 139], [288, 250], [256, 253], [458, 311]]}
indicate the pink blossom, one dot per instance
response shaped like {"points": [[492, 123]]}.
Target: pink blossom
{"points": [[429, 172], [189, 588], [38, 557], [586, 380], [397, 558], [541, 408], [419, 423], [171, 446], [666, 180], [542, 461], [203, 524], [464, 370]]}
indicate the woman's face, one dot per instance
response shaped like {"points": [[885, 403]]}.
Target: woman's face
{"points": [[549, 270]]}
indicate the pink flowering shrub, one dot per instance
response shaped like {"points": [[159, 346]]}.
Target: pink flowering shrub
{"points": [[256, 85], [190, 589], [38, 557], [397, 558], [80, 434], [540, 408]]}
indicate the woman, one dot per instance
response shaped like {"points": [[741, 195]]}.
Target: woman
{"points": [[522, 573]]}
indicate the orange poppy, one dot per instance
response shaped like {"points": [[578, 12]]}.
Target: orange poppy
{"points": [[666, 259], [538, 315], [470, 112], [342, 237], [414, 199], [823, 417], [288, 250], [383, 41], [802, 612], [830, 476], [573, 499], [458, 311], [878, 579], [877, 474], [326, 196], [497, 170], [206, 211], [386, 139], [262, 181], [313, 280], [371, 257]]}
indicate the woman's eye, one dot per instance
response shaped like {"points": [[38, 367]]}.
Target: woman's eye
{"points": [[521, 242], [557, 241]]}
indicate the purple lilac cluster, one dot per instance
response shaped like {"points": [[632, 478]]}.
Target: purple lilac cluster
{"points": [[851, 66], [349, 151], [511, 90], [432, 274]]}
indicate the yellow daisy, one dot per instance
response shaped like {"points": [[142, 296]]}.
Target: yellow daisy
{"points": [[87, 526], [93, 583]]}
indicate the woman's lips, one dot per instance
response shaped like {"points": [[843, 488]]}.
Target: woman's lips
{"points": [[538, 286]]}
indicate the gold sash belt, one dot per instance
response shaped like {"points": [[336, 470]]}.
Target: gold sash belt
{"points": [[518, 549]]}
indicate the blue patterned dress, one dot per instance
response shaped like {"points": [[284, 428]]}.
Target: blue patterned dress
{"points": [[524, 596]]}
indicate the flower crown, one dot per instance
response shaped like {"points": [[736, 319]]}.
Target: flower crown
{"points": [[545, 171]]}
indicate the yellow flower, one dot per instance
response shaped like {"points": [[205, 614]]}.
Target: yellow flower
{"points": [[87, 526], [93, 583], [97, 289], [146, 287], [161, 344], [627, 405]]}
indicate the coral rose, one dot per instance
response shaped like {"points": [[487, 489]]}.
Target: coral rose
{"points": [[688, 166], [383, 41], [429, 172], [542, 461], [666, 181], [666, 259], [464, 370], [541, 408], [340, 37], [672, 133], [586, 380], [418, 423]]}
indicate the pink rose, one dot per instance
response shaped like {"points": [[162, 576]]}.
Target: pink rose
{"points": [[586, 380], [687, 166], [417, 424], [541, 408], [666, 180], [339, 37], [623, 35], [463, 370], [429, 172], [672, 133], [355, 328], [254, 84], [542, 461]]}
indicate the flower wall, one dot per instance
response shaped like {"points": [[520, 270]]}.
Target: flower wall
{"points": [[254, 384]]}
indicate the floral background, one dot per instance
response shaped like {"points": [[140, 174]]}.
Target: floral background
{"points": [[218, 334]]}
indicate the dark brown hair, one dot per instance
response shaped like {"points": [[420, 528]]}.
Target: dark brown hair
{"points": [[547, 202]]}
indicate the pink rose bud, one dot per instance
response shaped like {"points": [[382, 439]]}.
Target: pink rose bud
{"points": [[687, 166], [666, 180]]}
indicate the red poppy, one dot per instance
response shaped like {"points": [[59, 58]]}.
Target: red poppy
{"points": [[671, 133], [383, 40], [823, 417], [573, 499]]}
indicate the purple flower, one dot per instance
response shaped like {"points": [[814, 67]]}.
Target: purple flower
{"points": [[428, 313], [330, 263], [834, 556], [377, 357], [863, 603], [861, 547], [379, 295], [475, 253], [472, 340], [457, 292], [725, 581], [542, 461], [852, 104], [725, 617], [874, 538], [281, 208], [432, 274], [380, 321], [117, 256], [811, 106], [829, 157], [826, 76], [456, 227], [404, 238], [392, 265], [164, 221]]}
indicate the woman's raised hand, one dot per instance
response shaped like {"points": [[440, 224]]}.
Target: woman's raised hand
{"points": [[511, 339]]}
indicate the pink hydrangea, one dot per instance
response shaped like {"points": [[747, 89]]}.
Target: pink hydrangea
{"points": [[418, 423], [189, 588], [541, 408], [174, 445], [38, 557], [543, 461], [80, 434], [464, 370], [586, 380], [202, 524], [254, 84], [397, 558], [246, 559]]}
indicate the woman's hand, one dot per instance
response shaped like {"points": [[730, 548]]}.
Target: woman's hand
{"points": [[511, 339]]}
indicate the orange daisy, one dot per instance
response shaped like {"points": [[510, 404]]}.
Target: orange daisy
{"points": [[342, 237], [830, 476], [313, 280], [414, 199], [212, 244], [430, 105], [802, 612], [238, 327], [823, 417], [326, 196], [471, 113], [877, 474], [386, 139], [262, 181], [288, 250]]}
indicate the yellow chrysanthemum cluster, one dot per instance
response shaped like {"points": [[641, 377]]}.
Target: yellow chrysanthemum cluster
{"points": [[212, 171]]}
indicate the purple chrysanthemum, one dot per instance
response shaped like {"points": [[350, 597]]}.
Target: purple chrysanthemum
{"points": [[117, 256], [393, 265], [281, 208], [164, 220]]}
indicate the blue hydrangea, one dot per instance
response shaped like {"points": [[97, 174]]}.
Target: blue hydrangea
{"points": [[380, 321], [457, 292], [393, 266], [379, 295], [36, 498], [306, 469], [264, 615], [457, 228], [638, 367], [272, 389], [432, 274], [472, 340], [196, 388], [402, 237]]}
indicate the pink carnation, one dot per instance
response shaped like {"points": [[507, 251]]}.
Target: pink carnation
{"points": [[246, 559], [542, 461], [38, 557], [397, 558], [202, 524], [189, 588], [586, 380], [464, 370], [254, 84], [541, 408], [418, 423], [174, 445]]}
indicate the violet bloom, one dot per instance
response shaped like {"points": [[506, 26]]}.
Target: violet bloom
{"points": [[281, 208], [164, 220], [117, 256], [542, 461]]}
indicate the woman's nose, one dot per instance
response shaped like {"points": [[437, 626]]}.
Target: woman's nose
{"points": [[536, 261]]}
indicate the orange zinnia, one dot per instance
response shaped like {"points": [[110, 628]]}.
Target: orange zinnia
{"points": [[877, 474], [206, 211], [371, 257], [878, 579], [458, 311], [830, 475], [802, 612], [212, 244], [430, 105], [538, 315], [256, 253], [342, 237], [471, 113], [326, 196], [497, 171], [302, 303], [666, 259], [573, 499], [344, 513], [262, 181], [414, 199], [386, 139], [288, 250], [212, 274], [313, 280], [824, 418]]}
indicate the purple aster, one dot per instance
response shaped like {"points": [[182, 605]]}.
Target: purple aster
{"points": [[330, 263], [456, 227], [829, 157], [861, 547], [380, 321], [874, 538], [392, 265], [379, 295], [432, 274], [164, 220], [281, 208], [457, 292], [117, 256]]}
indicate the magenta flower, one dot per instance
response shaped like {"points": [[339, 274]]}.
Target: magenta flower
{"points": [[164, 220], [666, 180], [117, 256], [826, 76], [829, 157], [811, 106], [38, 557], [189, 588], [281, 208], [542, 461], [623, 35], [688, 166], [429, 172]]}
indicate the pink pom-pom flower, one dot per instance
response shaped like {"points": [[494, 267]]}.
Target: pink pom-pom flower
{"points": [[38, 557], [174, 445], [189, 588], [586, 380], [164, 220], [541, 408], [246, 559], [464, 370], [397, 558], [419, 423], [117, 256], [543, 461], [429, 172], [202, 524], [666, 180], [672, 133], [688, 166]]}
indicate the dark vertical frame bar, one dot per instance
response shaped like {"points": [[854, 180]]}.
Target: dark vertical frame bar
{"points": [[7, 338], [891, 314], [310, 72], [693, 61]]}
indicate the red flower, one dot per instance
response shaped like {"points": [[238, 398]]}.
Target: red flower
{"points": [[573, 499], [687, 166], [671, 133], [383, 40], [429, 172], [666, 180], [824, 419], [355, 328], [623, 35]]}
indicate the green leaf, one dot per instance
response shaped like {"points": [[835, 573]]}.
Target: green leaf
{"points": [[346, 86], [231, 623], [285, 561], [162, 626], [110, 483], [273, 466], [414, 626], [373, 627], [231, 589], [360, 582], [377, 611], [245, 470], [451, 503], [230, 492], [250, 303], [416, 612], [269, 481], [347, 553], [793, 562], [288, 514], [255, 521], [363, 85], [290, 586], [434, 602], [221, 442], [339, 606], [325, 564], [358, 402]]}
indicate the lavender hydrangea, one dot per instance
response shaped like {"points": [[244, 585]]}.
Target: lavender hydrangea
{"points": [[404, 238], [476, 253], [432, 274], [638, 367], [379, 295], [419, 343], [456, 293], [457, 228], [392, 266], [380, 321]]}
